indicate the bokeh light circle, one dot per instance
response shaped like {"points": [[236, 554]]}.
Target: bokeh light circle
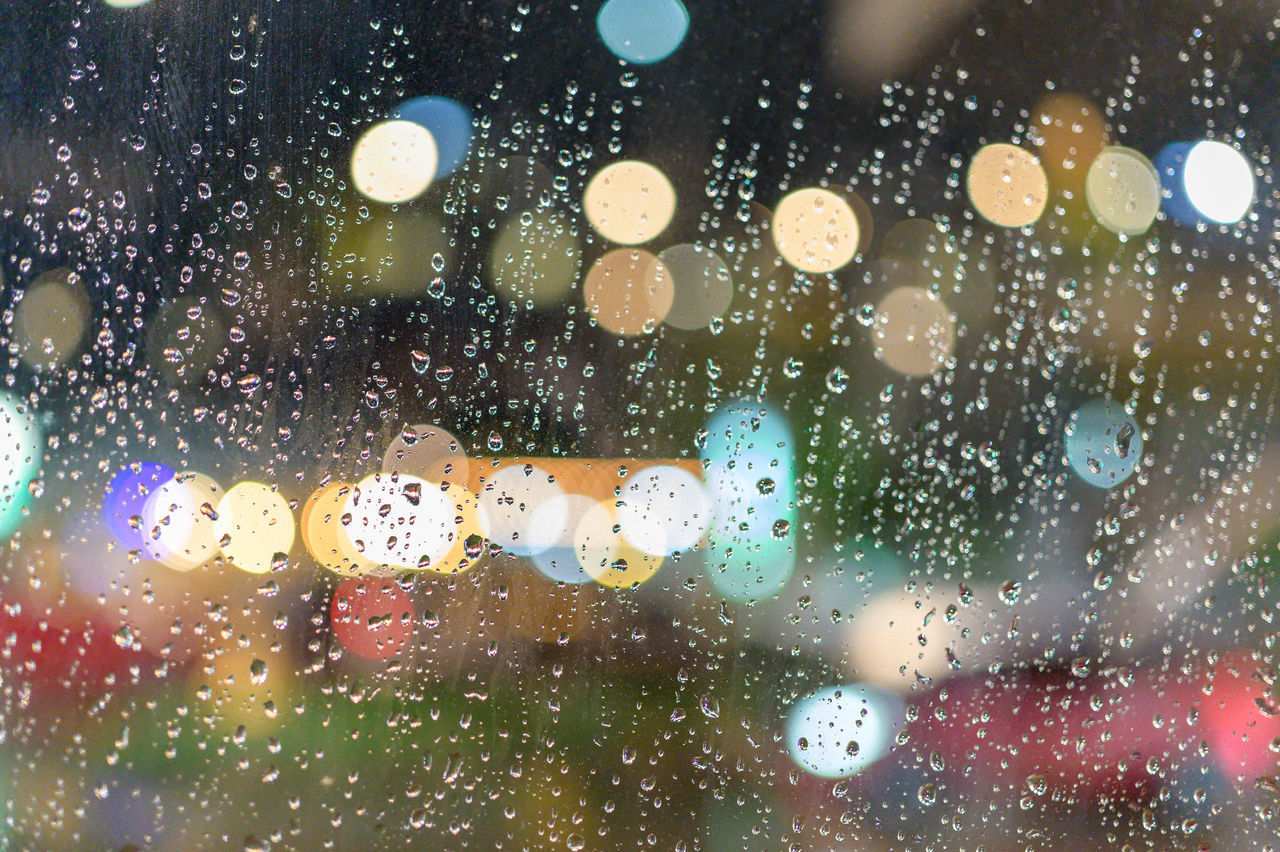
{"points": [[372, 617], [628, 291], [1103, 443], [1007, 185], [551, 530], [178, 521], [815, 230], [508, 502], [663, 510], [1068, 132], [325, 534], [401, 253], [1123, 190], [1219, 181], [885, 640], [450, 124], [126, 495], [400, 521], [427, 452], [643, 31], [20, 441], [841, 730], [914, 332], [702, 284], [751, 482], [50, 321], [394, 161], [629, 202], [535, 259], [605, 555], [254, 526], [1171, 163]]}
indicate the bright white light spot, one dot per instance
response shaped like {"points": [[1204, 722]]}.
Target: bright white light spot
{"points": [[605, 555], [1219, 182], [551, 529], [178, 521], [394, 161], [400, 520], [663, 509], [841, 730], [507, 505]]}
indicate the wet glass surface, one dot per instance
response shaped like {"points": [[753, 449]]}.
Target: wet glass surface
{"points": [[644, 424]]}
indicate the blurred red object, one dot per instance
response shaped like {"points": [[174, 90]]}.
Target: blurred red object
{"points": [[372, 617], [1116, 733], [67, 652]]}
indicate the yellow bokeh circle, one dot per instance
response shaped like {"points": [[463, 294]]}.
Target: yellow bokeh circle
{"points": [[815, 230]]}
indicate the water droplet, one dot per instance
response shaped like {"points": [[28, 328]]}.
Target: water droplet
{"points": [[258, 672], [837, 379]]}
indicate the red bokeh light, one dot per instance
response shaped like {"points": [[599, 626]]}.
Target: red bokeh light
{"points": [[372, 617]]}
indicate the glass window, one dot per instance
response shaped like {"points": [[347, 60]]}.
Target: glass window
{"points": [[639, 424]]}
